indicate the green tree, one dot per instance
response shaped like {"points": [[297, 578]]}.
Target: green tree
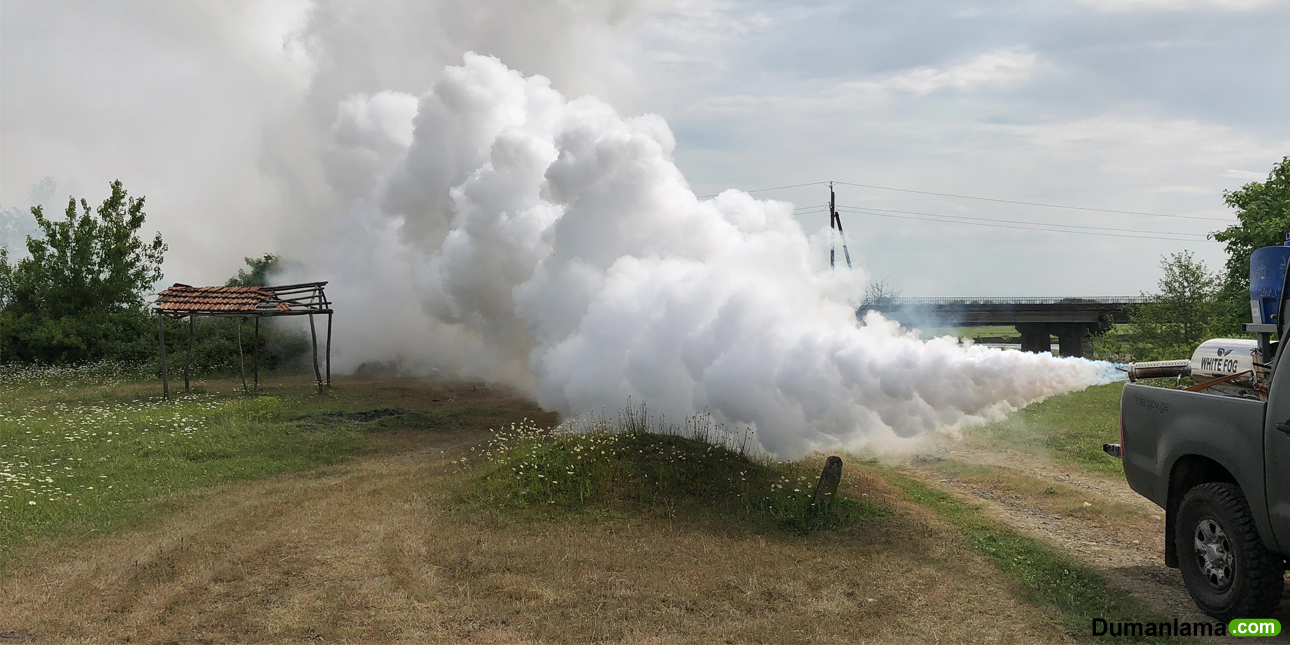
{"points": [[1183, 315], [1263, 209], [261, 269], [79, 295]]}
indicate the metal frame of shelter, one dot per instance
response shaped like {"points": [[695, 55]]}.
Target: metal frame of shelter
{"points": [[184, 301]]}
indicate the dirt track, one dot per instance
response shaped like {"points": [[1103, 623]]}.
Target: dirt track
{"points": [[375, 551], [1126, 547]]}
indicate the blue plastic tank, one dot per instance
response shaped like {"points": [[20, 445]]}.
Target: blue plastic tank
{"points": [[1267, 272]]}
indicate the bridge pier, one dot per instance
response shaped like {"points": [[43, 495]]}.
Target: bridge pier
{"points": [[1072, 338], [1034, 337]]}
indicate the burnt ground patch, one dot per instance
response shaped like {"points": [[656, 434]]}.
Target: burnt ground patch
{"points": [[364, 417]]}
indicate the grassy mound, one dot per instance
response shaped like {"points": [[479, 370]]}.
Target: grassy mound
{"points": [[532, 468]]}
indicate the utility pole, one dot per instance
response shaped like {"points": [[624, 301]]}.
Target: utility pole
{"points": [[835, 229], [833, 216]]}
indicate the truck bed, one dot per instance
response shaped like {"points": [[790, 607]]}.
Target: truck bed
{"points": [[1161, 426]]}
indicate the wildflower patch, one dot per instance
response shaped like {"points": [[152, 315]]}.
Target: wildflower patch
{"points": [[527, 467], [73, 453]]}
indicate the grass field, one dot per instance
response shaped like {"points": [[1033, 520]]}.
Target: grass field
{"points": [[405, 509], [1007, 332], [1070, 428], [94, 449]]}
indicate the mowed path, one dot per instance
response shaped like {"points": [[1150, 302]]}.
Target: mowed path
{"points": [[1126, 546], [377, 550]]}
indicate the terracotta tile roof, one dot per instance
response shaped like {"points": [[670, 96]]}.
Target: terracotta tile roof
{"points": [[182, 297]]}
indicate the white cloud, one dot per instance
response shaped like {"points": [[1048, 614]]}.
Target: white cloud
{"points": [[996, 68], [1112, 133], [1246, 175], [1125, 6]]}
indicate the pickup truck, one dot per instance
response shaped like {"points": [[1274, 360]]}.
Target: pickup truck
{"points": [[1218, 462]]}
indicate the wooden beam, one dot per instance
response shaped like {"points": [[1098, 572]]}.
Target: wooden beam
{"points": [[329, 350], [161, 339], [241, 364], [188, 357], [313, 334], [255, 355], [827, 488]]}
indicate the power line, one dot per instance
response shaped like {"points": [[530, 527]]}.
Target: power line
{"points": [[1029, 228], [762, 190], [861, 209], [1013, 201], [986, 199]]}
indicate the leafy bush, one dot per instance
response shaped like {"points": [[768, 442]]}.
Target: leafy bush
{"points": [[1185, 313], [215, 344], [1263, 214], [79, 296]]}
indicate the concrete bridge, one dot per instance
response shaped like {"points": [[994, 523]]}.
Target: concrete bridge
{"points": [[1071, 320]]}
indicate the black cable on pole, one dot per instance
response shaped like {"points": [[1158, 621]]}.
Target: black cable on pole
{"points": [[833, 233], [835, 220]]}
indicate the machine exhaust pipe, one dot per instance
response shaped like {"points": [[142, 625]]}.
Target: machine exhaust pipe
{"points": [[1158, 369]]}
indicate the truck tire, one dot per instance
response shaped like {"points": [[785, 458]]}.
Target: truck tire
{"points": [[1227, 569]]}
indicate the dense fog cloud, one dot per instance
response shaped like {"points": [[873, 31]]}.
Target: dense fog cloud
{"points": [[558, 246]]}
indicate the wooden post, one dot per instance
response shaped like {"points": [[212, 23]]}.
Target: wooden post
{"points": [[328, 350], [827, 489], [189, 357], [255, 354], [313, 333], [241, 364], [161, 339]]}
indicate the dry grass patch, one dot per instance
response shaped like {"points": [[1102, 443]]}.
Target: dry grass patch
{"points": [[379, 549], [1053, 497]]}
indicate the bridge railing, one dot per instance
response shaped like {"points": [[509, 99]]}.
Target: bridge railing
{"points": [[1104, 300]]}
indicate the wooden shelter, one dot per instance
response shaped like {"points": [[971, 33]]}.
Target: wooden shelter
{"points": [[183, 301]]}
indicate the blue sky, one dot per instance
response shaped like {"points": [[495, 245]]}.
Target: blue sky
{"points": [[221, 114], [1141, 106]]}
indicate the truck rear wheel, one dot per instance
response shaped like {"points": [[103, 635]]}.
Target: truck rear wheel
{"points": [[1228, 571]]}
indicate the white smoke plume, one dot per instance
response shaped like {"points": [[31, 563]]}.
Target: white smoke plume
{"points": [[553, 244]]}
